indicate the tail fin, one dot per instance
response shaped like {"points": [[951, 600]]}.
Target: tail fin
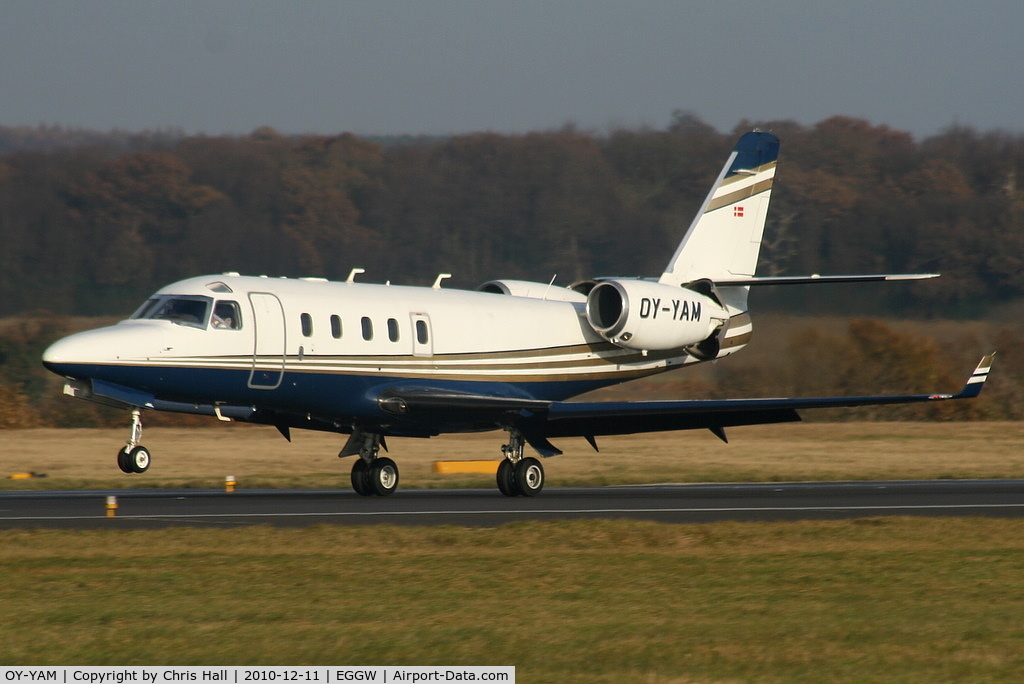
{"points": [[724, 239]]}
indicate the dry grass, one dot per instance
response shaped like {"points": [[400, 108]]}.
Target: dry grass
{"points": [[260, 457]]}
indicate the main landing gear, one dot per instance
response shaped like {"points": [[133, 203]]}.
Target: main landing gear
{"points": [[519, 476], [375, 475], [372, 475], [133, 457]]}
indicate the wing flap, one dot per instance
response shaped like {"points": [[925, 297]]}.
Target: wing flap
{"points": [[626, 418]]}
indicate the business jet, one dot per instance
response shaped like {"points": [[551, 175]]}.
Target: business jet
{"points": [[373, 361]]}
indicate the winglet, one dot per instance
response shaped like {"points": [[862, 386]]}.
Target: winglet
{"points": [[976, 381]]}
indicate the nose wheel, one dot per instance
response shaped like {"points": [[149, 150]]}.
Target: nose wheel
{"points": [[133, 457], [133, 460]]}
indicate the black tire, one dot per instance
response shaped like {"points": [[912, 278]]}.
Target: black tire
{"points": [[383, 476], [122, 461], [361, 477], [139, 459], [507, 478], [529, 477]]}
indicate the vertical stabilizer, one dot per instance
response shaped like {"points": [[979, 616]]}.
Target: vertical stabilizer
{"points": [[724, 239]]}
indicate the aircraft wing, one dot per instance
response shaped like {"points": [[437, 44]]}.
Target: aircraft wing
{"points": [[567, 418], [541, 420]]}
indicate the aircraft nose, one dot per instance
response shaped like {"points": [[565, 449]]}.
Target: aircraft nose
{"points": [[67, 354], [84, 352], [67, 350]]}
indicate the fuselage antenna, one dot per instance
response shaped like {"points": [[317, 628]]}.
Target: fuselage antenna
{"points": [[552, 282]]}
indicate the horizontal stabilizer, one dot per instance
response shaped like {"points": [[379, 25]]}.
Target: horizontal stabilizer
{"points": [[820, 279]]}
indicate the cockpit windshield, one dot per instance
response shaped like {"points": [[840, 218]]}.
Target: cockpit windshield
{"points": [[146, 308], [184, 310]]}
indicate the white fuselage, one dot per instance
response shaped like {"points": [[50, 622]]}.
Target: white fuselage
{"points": [[309, 345]]}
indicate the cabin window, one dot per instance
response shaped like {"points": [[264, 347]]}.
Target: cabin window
{"points": [[392, 330], [307, 325], [336, 326], [191, 311], [367, 328], [226, 316], [421, 331]]}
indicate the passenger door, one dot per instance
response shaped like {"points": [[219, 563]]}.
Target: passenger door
{"points": [[268, 356]]}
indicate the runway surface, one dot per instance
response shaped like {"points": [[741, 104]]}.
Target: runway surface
{"points": [[145, 509]]}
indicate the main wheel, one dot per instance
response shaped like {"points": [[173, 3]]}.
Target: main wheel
{"points": [[138, 459], [383, 476], [529, 478], [361, 478], [507, 478]]}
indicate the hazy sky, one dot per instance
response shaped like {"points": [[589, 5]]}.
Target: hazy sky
{"points": [[455, 66]]}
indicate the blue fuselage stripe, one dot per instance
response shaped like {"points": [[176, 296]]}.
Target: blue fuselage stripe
{"points": [[339, 395]]}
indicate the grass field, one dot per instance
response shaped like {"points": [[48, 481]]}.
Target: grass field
{"points": [[260, 457], [893, 599]]}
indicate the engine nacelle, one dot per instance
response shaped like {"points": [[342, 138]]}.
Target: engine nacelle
{"points": [[649, 316], [526, 288]]}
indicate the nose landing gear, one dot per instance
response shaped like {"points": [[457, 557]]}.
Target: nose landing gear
{"points": [[133, 457]]}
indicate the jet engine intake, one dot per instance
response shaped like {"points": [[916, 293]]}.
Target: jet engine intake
{"points": [[649, 316]]}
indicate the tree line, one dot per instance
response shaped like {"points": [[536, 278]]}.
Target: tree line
{"points": [[91, 227], [91, 223]]}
